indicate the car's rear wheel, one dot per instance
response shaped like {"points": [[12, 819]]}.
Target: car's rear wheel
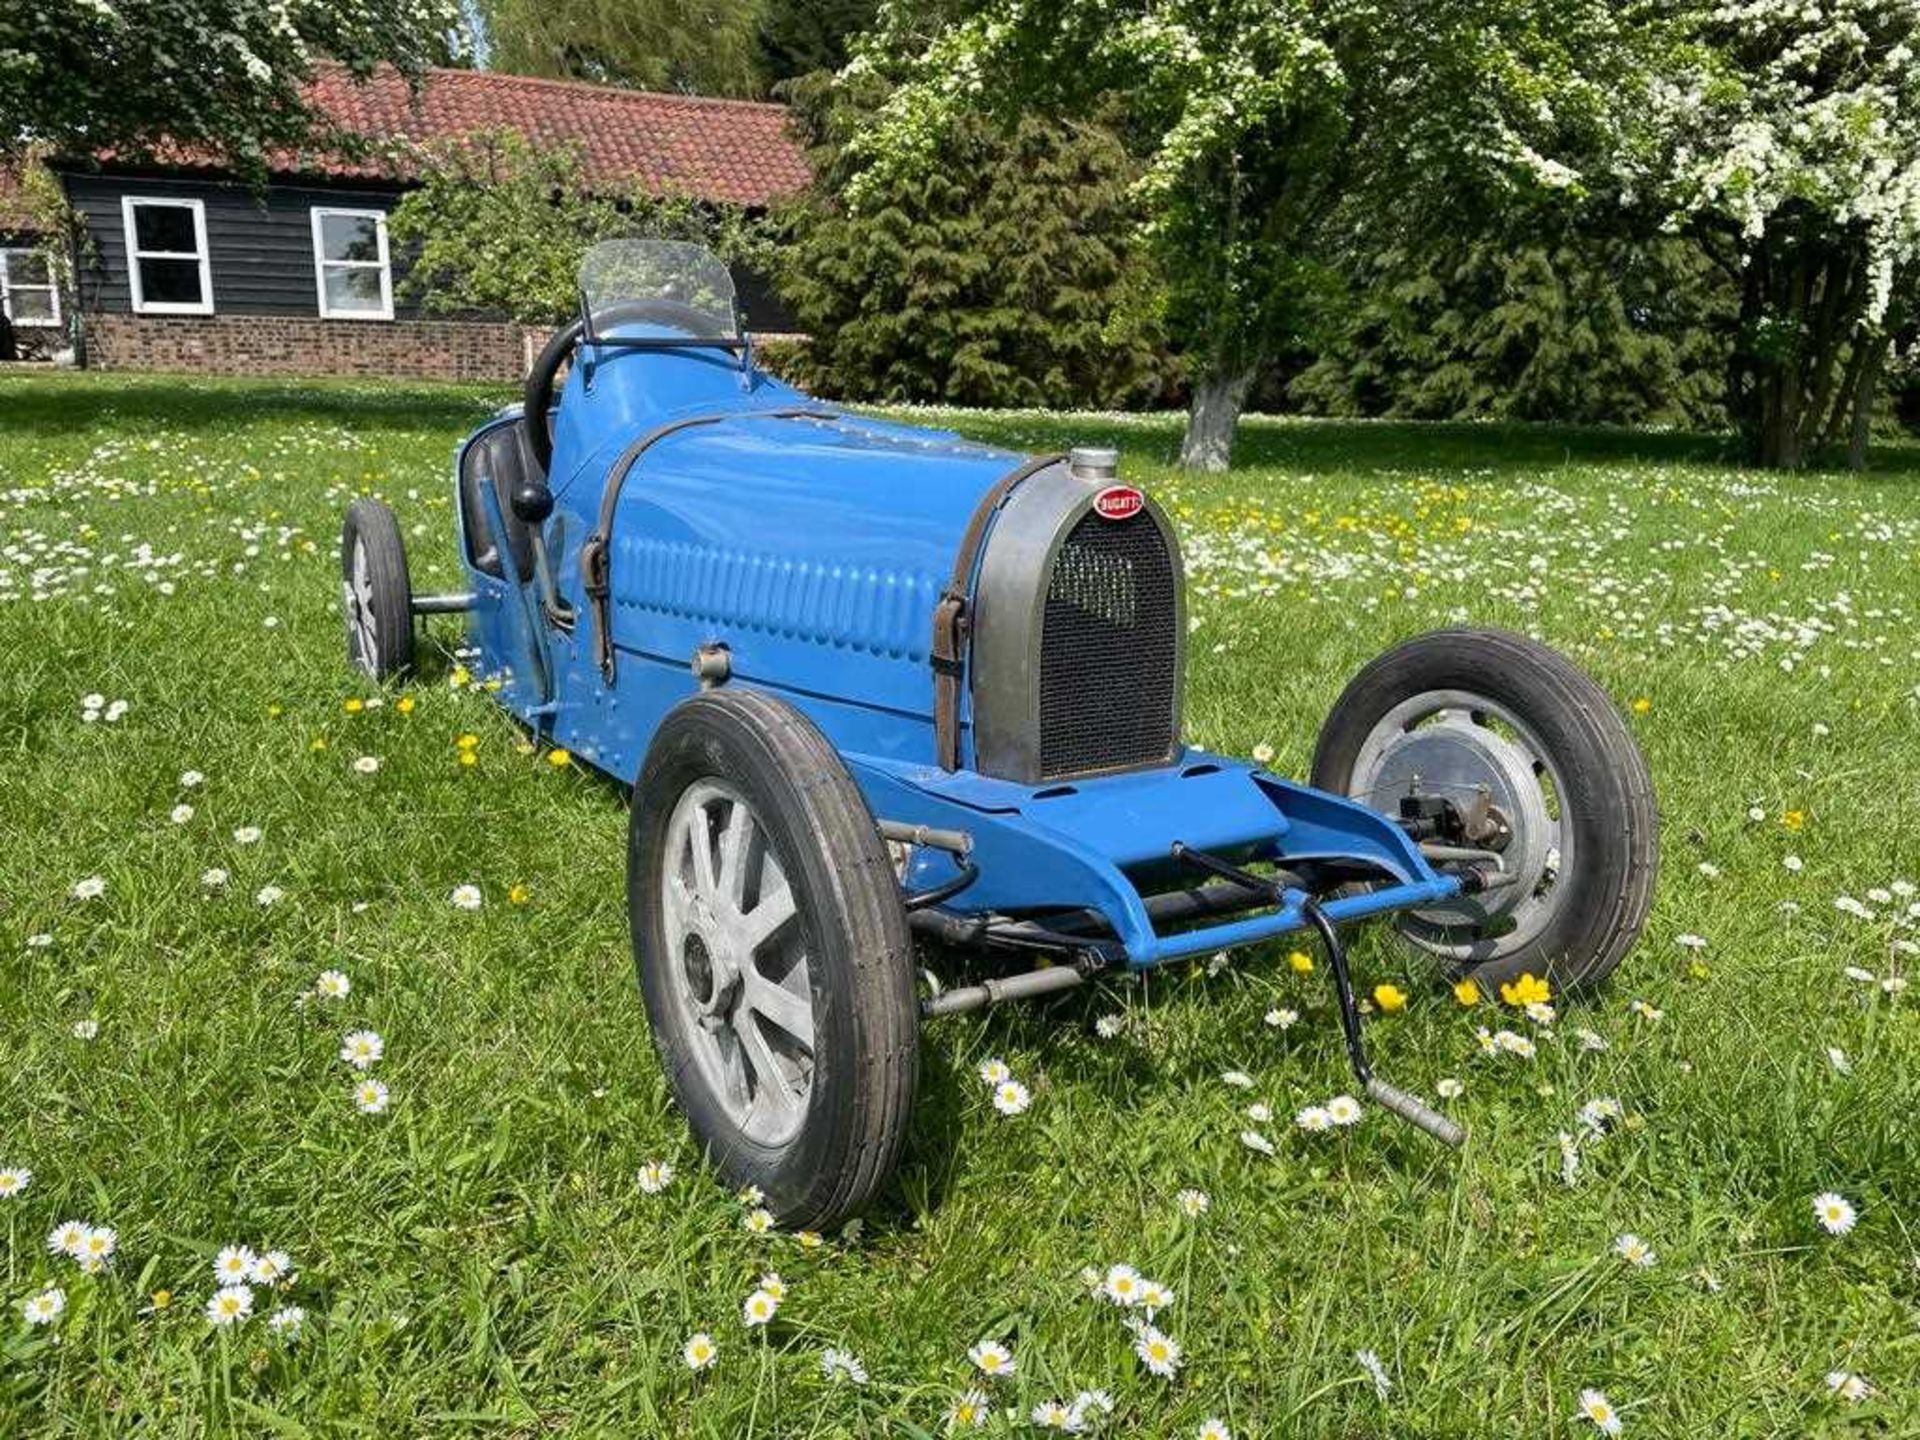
{"points": [[376, 597], [773, 955], [1492, 718]]}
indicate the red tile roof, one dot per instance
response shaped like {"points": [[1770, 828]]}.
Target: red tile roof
{"points": [[734, 151]]}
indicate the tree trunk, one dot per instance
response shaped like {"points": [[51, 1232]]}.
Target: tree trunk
{"points": [[1867, 385], [1211, 417]]}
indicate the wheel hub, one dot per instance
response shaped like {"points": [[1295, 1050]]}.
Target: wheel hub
{"points": [[1488, 778]]}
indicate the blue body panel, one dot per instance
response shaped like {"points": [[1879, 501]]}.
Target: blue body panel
{"points": [[815, 550]]}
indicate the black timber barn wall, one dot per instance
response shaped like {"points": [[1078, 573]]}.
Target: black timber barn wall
{"points": [[260, 245]]}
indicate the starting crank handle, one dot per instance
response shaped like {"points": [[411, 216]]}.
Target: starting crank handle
{"points": [[1415, 1111]]}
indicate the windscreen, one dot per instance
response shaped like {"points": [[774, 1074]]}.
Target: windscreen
{"points": [[660, 282]]}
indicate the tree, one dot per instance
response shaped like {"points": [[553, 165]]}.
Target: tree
{"points": [[1006, 274], [711, 48], [1531, 320], [1257, 120], [801, 37], [1788, 136], [498, 226], [82, 76]]}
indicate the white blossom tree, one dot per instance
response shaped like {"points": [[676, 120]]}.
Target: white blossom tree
{"points": [[83, 76], [1788, 131], [1257, 120]]}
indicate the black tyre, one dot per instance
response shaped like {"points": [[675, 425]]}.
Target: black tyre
{"points": [[773, 954], [376, 597], [1457, 710]]}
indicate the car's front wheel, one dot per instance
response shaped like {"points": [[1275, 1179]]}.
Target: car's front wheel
{"points": [[1515, 733], [773, 955]]}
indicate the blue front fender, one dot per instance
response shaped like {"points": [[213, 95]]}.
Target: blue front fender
{"points": [[1103, 844]]}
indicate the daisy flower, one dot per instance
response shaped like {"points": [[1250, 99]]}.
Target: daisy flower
{"points": [[758, 1222], [189, 779], [969, 1411], [332, 985], [1848, 1386], [1213, 1428], [86, 1029], [234, 1265], [991, 1359], [1121, 1285], [1159, 1352], [91, 888], [13, 1179], [1010, 1097], [1256, 1142], [97, 1247], [1652, 1014], [1314, 1119], [213, 879], [1259, 1113], [269, 895], [1635, 1251], [1238, 1079], [247, 835], [1055, 1415], [1343, 1110], [1154, 1296], [759, 1309], [366, 764], [44, 1308], [1833, 1212], [1596, 1407], [230, 1305], [272, 1267], [1193, 1203], [370, 1097], [180, 814], [750, 1195], [842, 1365], [1109, 1026], [1376, 1372], [774, 1285], [1449, 1088], [40, 941], [655, 1176], [465, 897], [286, 1322], [68, 1238], [1282, 1019], [361, 1048], [699, 1352], [1088, 1401]]}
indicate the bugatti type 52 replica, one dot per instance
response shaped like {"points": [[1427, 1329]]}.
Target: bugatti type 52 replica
{"points": [[872, 683]]}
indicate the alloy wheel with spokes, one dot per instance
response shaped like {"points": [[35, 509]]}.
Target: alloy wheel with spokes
{"points": [[737, 959], [773, 954]]}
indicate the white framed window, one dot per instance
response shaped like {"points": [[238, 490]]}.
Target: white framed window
{"points": [[351, 270], [167, 266], [29, 294]]}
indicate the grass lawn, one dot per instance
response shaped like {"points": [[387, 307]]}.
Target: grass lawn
{"points": [[480, 1259]]}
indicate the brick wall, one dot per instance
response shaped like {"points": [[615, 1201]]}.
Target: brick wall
{"points": [[307, 345]]}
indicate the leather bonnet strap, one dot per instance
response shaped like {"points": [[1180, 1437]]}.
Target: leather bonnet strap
{"points": [[951, 623]]}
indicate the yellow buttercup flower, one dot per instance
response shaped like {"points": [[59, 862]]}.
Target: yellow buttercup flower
{"points": [[1301, 962], [466, 742], [353, 705], [519, 895], [1527, 990], [1793, 819], [1389, 998], [558, 758], [1467, 992], [1641, 704], [467, 757], [404, 704]]}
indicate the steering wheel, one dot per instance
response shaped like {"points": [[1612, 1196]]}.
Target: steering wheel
{"points": [[537, 398]]}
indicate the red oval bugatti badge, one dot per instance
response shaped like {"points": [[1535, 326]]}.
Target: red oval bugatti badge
{"points": [[1119, 502]]}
